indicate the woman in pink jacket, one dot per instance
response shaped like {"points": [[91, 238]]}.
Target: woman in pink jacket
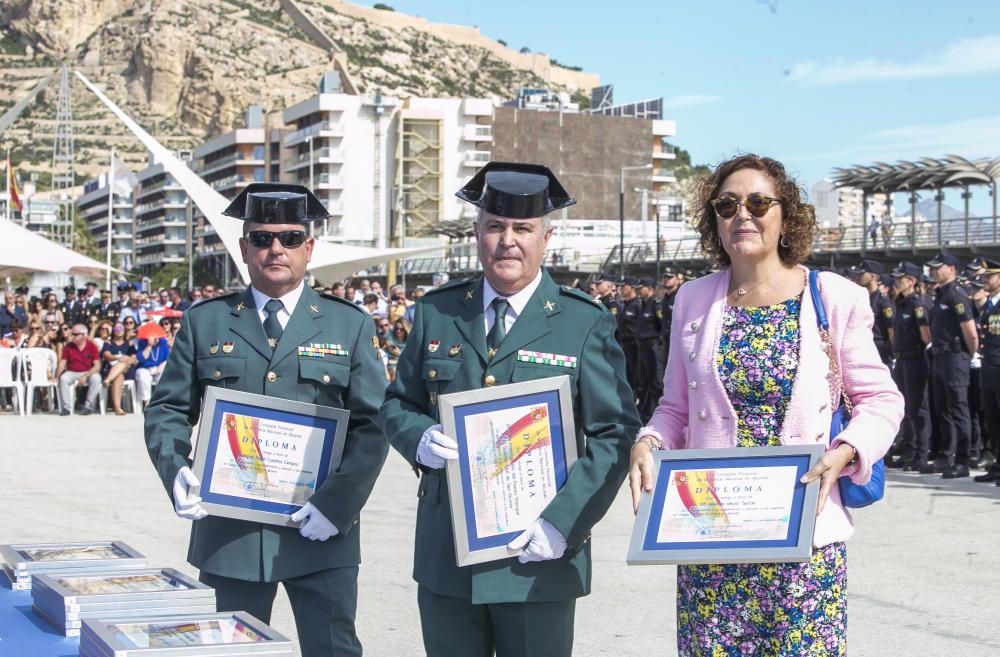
{"points": [[747, 368]]}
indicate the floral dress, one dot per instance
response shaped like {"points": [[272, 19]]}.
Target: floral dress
{"points": [[772, 609]]}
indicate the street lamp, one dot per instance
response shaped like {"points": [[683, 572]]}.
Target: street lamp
{"points": [[312, 189], [621, 214]]}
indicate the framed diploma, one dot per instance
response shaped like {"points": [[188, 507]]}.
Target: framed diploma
{"points": [[516, 444], [261, 458], [739, 505]]}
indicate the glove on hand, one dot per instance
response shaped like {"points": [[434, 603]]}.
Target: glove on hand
{"points": [[435, 448], [186, 505], [540, 542], [316, 527]]}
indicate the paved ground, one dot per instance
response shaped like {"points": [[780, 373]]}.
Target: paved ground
{"points": [[924, 564]]}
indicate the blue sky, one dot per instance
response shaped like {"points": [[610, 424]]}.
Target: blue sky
{"points": [[817, 84]]}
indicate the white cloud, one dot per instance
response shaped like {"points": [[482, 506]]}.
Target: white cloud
{"points": [[964, 57], [689, 100]]}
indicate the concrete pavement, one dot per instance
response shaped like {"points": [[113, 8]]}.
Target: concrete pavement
{"points": [[924, 566]]}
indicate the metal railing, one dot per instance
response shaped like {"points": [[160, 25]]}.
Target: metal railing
{"points": [[958, 232]]}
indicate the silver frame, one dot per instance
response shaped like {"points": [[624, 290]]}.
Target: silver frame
{"points": [[49, 582], [213, 395], [104, 639], [456, 496], [19, 565], [802, 551]]}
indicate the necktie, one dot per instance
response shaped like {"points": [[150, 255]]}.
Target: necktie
{"points": [[272, 327], [499, 330]]}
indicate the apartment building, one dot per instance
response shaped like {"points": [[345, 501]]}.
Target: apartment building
{"points": [[160, 219], [92, 207]]}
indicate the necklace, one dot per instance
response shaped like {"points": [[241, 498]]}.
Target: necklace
{"points": [[742, 291]]}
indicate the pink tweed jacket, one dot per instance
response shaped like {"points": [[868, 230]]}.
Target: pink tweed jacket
{"points": [[695, 411]]}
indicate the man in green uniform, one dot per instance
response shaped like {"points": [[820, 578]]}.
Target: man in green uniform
{"points": [[476, 334], [264, 340]]}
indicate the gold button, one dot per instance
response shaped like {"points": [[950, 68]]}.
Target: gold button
{"points": [[271, 377], [701, 415], [692, 384], [691, 356], [326, 378], [694, 326], [490, 379], [432, 374], [218, 374]]}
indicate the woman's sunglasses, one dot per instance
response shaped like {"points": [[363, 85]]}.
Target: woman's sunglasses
{"points": [[756, 204], [262, 239]]}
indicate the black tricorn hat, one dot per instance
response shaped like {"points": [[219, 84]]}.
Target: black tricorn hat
{"points": [[515, 191], [274, 203]]}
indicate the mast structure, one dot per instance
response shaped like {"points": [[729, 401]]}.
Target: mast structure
{"points": [[63, 173]]}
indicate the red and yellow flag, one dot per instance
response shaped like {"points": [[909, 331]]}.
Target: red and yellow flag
{"points": [[15, 193], [529, 432], [245, 448]]}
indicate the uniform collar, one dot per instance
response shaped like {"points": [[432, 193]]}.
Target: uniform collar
{"points": [[518, 300], [289, 301]]}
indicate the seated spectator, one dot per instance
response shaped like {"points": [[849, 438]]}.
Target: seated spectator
{"points": [[51, 313], [151, 356], [119, 365], [16, 338], [63, 337], [394, 343], [10, 311], [78, 366], [131, 326], [101, 334]]}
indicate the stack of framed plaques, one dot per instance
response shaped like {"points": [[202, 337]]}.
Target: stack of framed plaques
{"points": [[22, 560], [223, 634], [65, 600]]}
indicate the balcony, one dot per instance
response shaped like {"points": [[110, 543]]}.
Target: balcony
{"points": [[663, 176], [666, 152], [328, 181], [474, 132], [167, 203], [477, 107], [146, 190], [475, 159], [320, 129], [228, 161], [228, 182], [319, 156]]}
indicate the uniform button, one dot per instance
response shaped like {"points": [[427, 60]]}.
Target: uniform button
{"points": [[432, 374], [490, 379], [326, 378], [694, 326], [218, 374], [692, 384], [271, 377], [691, 356], [701, 415]]}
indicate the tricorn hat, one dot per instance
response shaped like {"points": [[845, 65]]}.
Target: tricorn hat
{"points": [[515, 191], [275, 203], [987, 266]]}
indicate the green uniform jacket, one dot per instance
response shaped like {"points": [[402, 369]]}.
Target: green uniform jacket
{"points": [[556, 320], [222, 343]]}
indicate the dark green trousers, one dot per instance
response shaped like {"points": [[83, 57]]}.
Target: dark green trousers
{"points": [[324, 604], [454, 627]]}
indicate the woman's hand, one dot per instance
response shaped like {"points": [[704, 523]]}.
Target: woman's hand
{"points": [[827, 470], [640, 474]]}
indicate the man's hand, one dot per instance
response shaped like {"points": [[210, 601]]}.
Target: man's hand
{"points": [[186, 505], [435, 448], [316, 527], [541, 542]]}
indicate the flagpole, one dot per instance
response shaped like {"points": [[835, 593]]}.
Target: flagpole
{"points": [[7, 214], [111, 211]]}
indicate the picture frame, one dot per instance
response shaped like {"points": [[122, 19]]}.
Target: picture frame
{"points": [[524, 440], [733, 505], [261, 458], [25, 558]]}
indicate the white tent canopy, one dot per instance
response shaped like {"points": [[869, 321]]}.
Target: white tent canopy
{"points": [[22, 251], [329, 261]]}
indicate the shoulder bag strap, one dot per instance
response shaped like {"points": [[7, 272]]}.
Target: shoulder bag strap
{"points": [[823, 324]]}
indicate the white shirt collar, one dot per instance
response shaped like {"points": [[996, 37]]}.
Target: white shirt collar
{"points": [[289, 301], [517, 301], [995, 299]]}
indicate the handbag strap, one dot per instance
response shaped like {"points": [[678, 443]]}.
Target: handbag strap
{"points": [[823, 324]]}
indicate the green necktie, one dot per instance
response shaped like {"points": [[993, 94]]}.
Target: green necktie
{"points": [[272, 327], [499, 330]]}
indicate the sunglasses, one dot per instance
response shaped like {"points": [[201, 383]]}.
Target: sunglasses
{"points": [[756, 204], [262, 239]]}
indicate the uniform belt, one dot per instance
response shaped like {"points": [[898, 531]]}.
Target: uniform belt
{"points": [[912, 353], [937, 351]]}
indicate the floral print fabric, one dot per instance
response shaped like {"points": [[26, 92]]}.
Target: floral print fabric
{"points": [[775, 609]]}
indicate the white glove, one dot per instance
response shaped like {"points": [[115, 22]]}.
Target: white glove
{"points": [[540, 542], [316, 527], [186, 505], [435, 448], [976, 362]]}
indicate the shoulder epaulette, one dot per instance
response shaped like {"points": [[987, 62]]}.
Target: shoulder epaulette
{"points": [[333, 297], [580, 295], [450, 285], [222, 295]]}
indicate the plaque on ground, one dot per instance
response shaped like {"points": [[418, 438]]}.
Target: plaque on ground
{"points": [[65, 600], [22, 560]]}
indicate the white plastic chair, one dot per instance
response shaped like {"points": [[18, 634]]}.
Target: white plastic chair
{"points": [[39, 367], [10, 375], [127, 389]]}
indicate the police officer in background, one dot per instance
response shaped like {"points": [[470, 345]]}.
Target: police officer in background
{"points": [[974, 285], [911, 335], [647, 335], [989, 323], [869, 273], [954, 341], [606, 293], [628, 323], [275, 338]]}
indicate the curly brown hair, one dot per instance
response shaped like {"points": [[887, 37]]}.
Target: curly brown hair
{"points": [[798, 217]]}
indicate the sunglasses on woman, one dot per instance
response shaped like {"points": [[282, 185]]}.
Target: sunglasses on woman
{"points": [[756, 204], [262, 239]]}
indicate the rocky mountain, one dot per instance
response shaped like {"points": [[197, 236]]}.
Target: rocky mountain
{"points": [[187, 69]]}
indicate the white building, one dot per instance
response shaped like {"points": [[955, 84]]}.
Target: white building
{"points": [[160, 211], [842, 206], [92, 207]]}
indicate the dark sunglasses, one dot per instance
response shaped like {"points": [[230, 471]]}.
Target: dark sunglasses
{"points": [[756, 204], [262, 239]]}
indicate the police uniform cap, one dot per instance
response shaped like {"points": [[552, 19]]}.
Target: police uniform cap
{"points": [[976, 282], [868, 266], [81, 291], [987, 266], [668, 272], [907, 268], [647, 282], [885, 279], [515, 191], [943, 259], [91, 284], [630, 281], [21, 290], [45, 290], [69, 288], [276, 203]]}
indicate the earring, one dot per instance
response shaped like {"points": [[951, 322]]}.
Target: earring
{"points": [[718, 241], [784, 242]]}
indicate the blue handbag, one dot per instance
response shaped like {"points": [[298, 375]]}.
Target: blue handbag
{"points": [[852, 495]]}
